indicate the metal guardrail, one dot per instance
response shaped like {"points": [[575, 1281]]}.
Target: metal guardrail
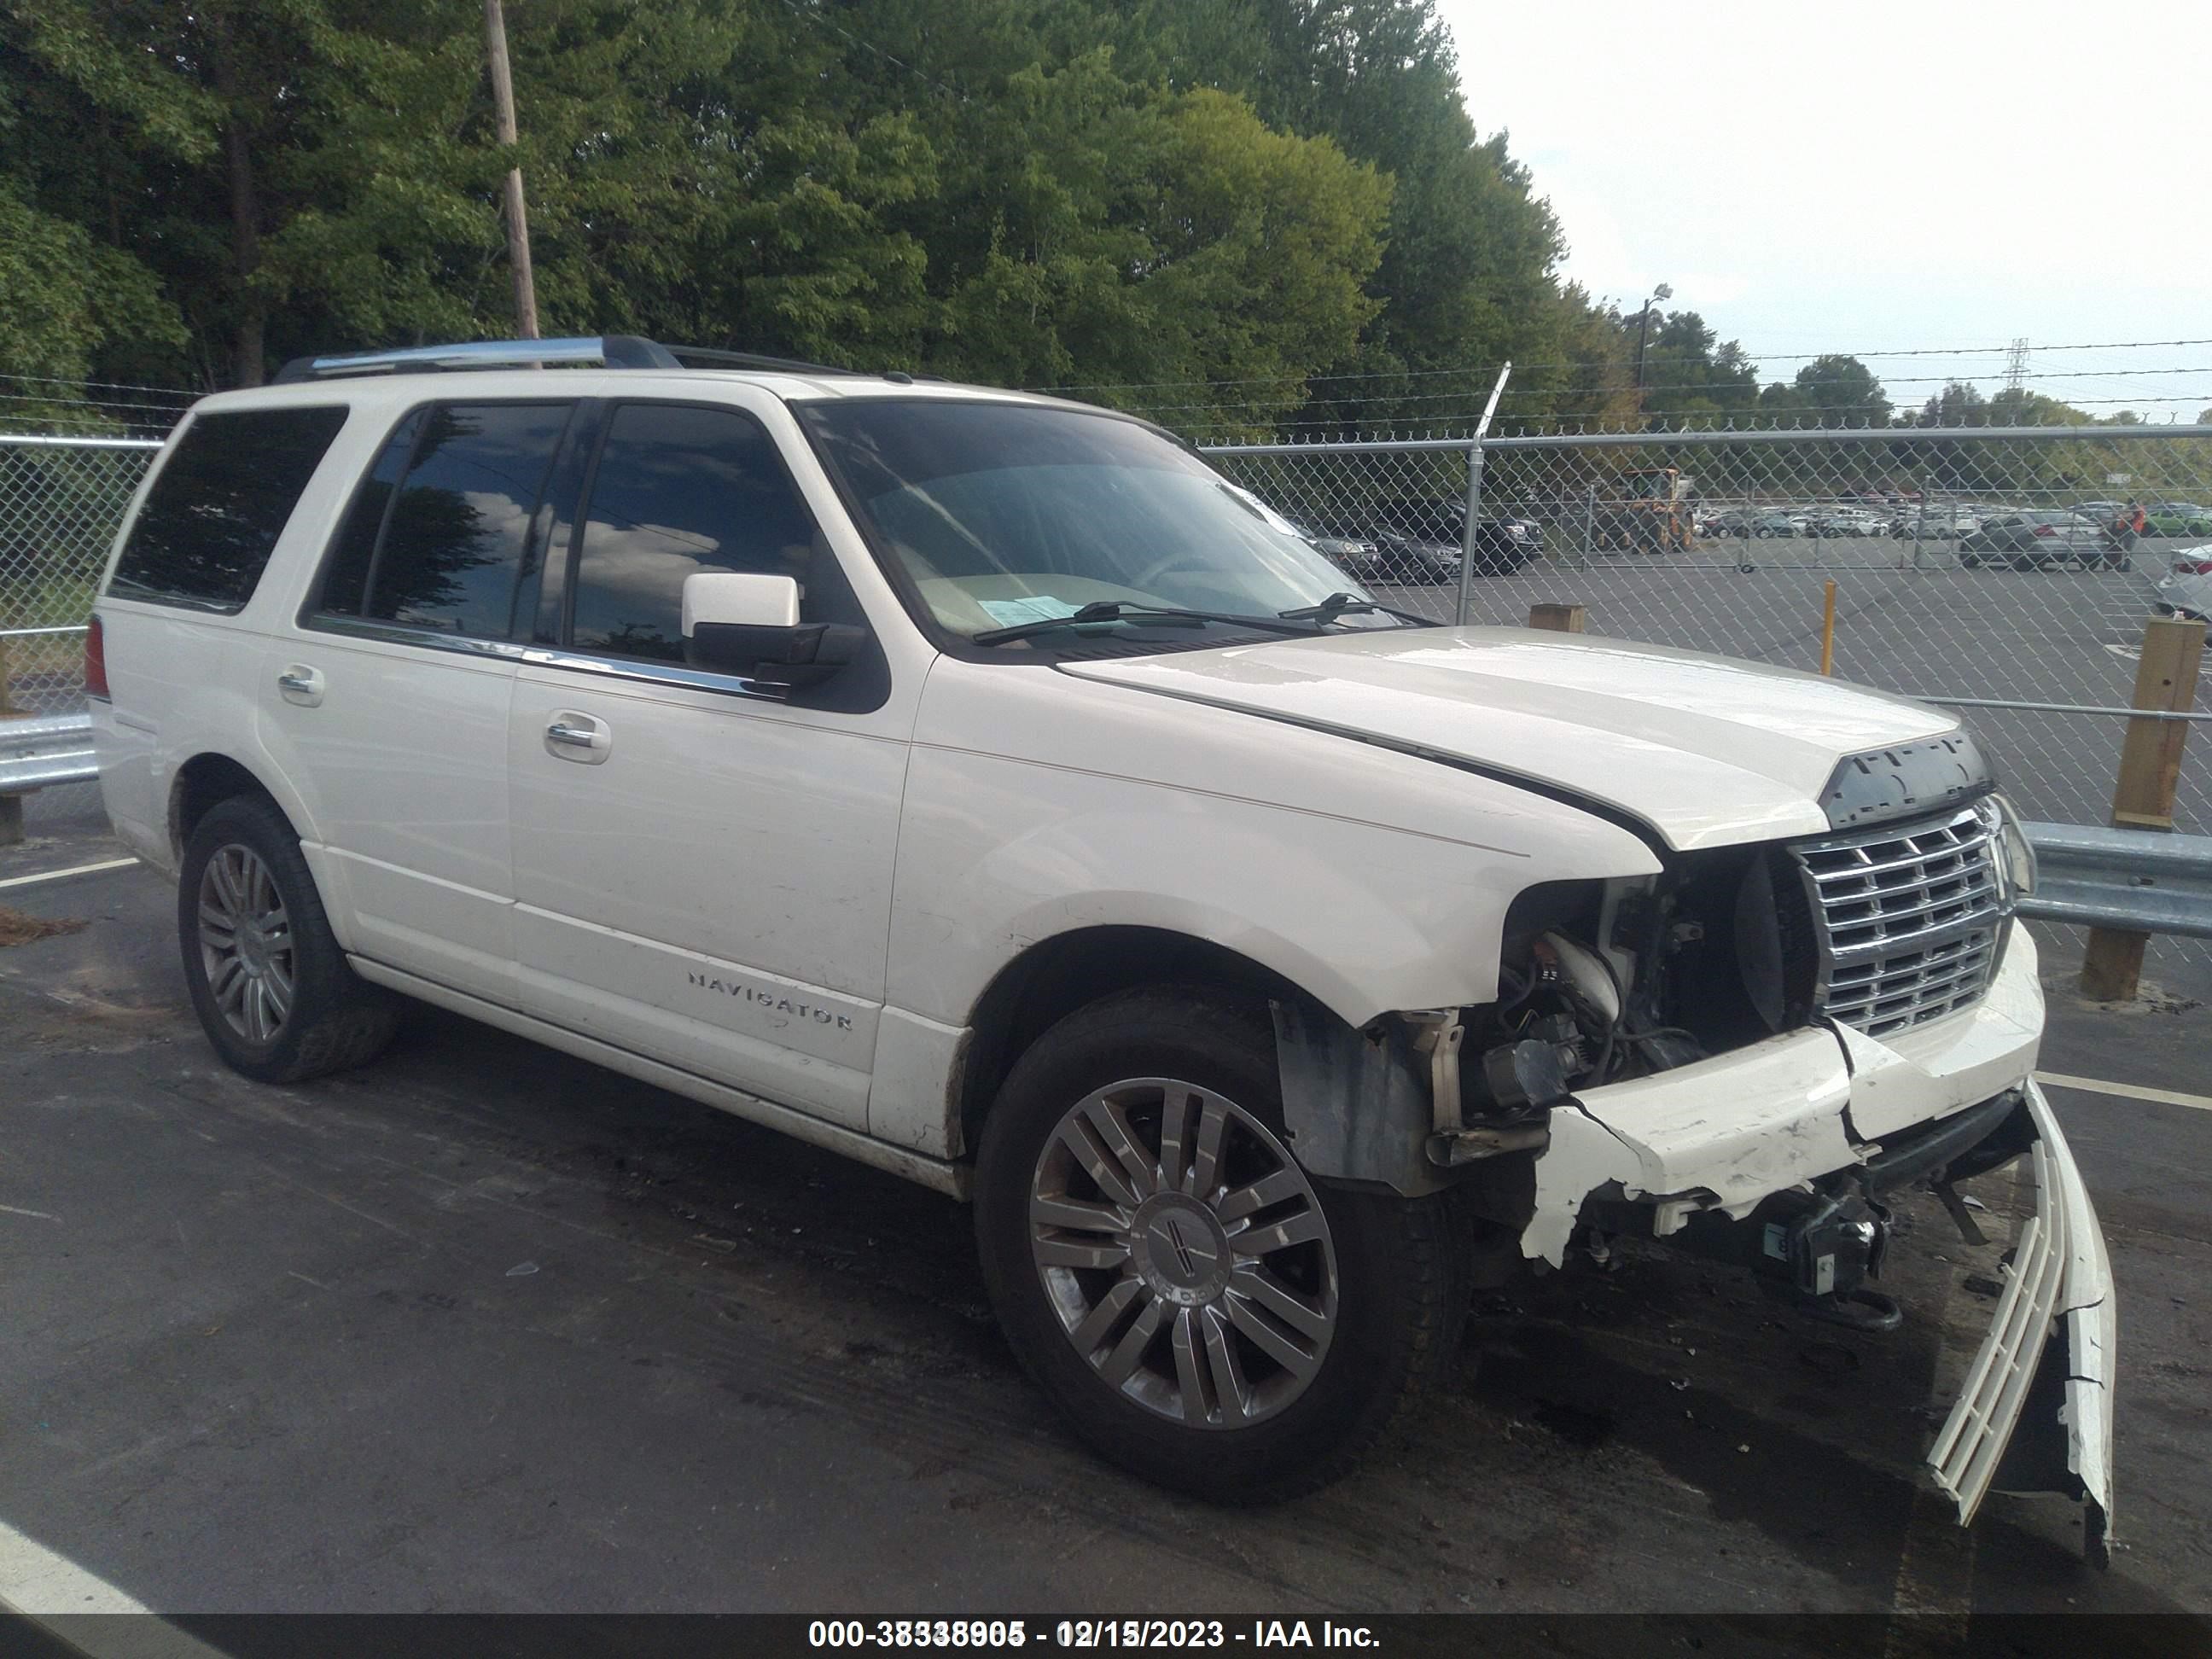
{"points": [[45, 751], [2137, 881]]}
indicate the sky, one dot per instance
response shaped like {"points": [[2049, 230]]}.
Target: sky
{"points": [[1876, 177]]}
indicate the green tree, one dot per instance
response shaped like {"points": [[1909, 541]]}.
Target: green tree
{"points": [[1691, 377], [1830, 391]]}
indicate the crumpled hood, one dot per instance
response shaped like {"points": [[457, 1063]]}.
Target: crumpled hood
{"points": [[1707, 751]]}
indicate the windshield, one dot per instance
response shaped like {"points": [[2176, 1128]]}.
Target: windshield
{"points": [[1004, 514]]}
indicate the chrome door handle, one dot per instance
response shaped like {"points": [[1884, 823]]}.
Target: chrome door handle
{"points": [[300, 685], [572, 736]]}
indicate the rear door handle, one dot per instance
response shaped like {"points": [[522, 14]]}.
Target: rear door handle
{"points": [[578, 737], [301, 685]]}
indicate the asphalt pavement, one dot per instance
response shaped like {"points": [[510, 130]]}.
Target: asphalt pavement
{"points": [[481, 1328]]}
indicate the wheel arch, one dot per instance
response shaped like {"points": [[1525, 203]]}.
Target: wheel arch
{"points": [[206, 781], [1055, 976]]}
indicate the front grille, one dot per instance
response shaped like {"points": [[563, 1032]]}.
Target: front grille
{"points": [[1910, 918]]}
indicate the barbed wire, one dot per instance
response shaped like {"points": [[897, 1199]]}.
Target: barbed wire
{"points": [[1490, 369]]}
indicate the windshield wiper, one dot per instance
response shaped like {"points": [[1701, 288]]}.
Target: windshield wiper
{"points": [[1107, 611], [1346, 604]]}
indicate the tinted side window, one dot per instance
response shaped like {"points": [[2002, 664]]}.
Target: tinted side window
{"points": [[453, 540], [345, 578], [221, 498], [679, 489]]}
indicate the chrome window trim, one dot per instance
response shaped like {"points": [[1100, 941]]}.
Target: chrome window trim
{"points": [[645, 672], [384, 633], [637, 669]]}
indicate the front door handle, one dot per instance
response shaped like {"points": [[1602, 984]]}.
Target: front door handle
{"points": [[301, 685], [572, 736]]}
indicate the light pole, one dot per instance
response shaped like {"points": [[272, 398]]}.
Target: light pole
{"points": [[1642, 331]]}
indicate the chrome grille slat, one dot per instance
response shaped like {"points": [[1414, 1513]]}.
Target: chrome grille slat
{"points": [[1908, 918], [1842, 871]]}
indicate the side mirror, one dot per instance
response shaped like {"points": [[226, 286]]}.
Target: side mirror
{"points": [[738, 623]]}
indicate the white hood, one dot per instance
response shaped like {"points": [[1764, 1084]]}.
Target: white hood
{"points": [[1708, 751]]}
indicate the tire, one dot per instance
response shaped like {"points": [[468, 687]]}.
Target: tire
{"points": [[1381, 1288], [301, 1011], [1763, 533], [1971, 561]]}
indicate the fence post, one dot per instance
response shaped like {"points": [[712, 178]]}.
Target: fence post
{"points": [[11, 806], [1470, 534], [1589, 526], [2143, 799], [1560, 618]]}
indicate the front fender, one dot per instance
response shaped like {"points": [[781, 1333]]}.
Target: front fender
{"points": [[998, 853]]}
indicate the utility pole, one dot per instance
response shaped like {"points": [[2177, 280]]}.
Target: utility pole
{"points": [[518, 219]]}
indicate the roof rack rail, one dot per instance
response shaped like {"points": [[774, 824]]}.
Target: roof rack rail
{"points": [[607, 350], [713, 358]]}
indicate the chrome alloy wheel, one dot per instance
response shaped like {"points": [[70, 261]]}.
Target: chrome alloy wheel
{"points": [[1184, 1251], [246, 943]]}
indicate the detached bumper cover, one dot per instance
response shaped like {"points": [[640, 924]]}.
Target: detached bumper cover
{"points": [[2036, 1411]]}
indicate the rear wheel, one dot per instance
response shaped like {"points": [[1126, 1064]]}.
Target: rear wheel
{"points": [[1202, 1311], [270, 985]]}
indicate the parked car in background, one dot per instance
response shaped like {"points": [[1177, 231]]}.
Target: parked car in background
{"points": [[1419, 542], [1934, 524], [1759, 521], [1351, 554], [2177, 518], [2187, 589], [2033, 541], [1846, 522]]}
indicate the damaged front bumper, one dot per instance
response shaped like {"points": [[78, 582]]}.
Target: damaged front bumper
{"points": [[2036, 1412], [1828, 1110]]}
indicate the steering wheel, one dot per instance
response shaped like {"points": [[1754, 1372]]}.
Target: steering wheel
{"points": [[1143, 578]]}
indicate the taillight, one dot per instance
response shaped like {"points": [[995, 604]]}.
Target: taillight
{"points": [[95, 661], [2193, 568], [2045, 530]]}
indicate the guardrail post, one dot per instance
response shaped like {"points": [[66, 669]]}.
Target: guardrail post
{"points": [[11, 806], [1560, 618], [2142, 798]]}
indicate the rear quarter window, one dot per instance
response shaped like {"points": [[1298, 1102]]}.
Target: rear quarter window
{"points": [[218, 504]]}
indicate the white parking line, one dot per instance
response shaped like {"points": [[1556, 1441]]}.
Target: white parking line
{"points": [[2126, 1091], [35, 1580], [74, 870], [37, 1583]]}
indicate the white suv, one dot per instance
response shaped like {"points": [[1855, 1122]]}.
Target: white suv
{"points": [[979, 785]]}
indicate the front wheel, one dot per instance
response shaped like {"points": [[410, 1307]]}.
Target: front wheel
{"points": [[266, 976], [1202, 1311]]}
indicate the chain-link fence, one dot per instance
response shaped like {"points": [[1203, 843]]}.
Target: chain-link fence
{"points": [[2001, 571], [60, 499]]}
